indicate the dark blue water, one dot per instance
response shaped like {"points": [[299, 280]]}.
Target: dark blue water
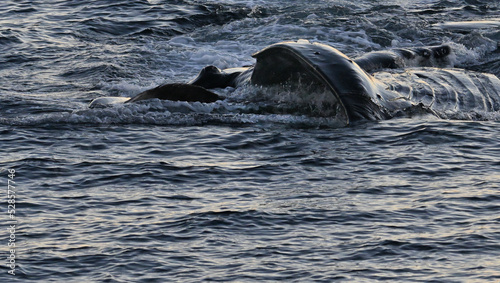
{"points": [[179, 192]]}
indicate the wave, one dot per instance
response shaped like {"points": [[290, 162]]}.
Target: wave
{"points": [[175, 113]]}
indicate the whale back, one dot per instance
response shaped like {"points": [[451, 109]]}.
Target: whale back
{"points": [[354, 89]]}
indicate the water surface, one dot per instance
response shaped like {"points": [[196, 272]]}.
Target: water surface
{"points": [[179, 192]]}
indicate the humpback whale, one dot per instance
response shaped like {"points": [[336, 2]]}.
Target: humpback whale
{"points": [[374, 86]]}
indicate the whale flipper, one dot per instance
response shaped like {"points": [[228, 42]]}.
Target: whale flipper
{"points": [[178, 92], [174, 92]]}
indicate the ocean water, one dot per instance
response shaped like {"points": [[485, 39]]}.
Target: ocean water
{"points": [[190, 192]]}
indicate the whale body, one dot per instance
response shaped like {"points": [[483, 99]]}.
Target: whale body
{"points": [[375, 86]]}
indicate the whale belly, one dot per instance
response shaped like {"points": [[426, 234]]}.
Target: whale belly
{"points": [[444, 90]]}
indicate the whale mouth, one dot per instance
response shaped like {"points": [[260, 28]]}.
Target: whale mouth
{"points": [[296, 85], [301, 96], [353, 91]]}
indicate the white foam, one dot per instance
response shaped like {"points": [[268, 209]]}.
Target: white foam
{"points": [[470, 25], [472, 48], [248, 3], [123, 88], [163, 112], [181, 41]]}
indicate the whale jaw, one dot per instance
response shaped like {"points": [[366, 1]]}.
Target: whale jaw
{"points": [[354, 91]]}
